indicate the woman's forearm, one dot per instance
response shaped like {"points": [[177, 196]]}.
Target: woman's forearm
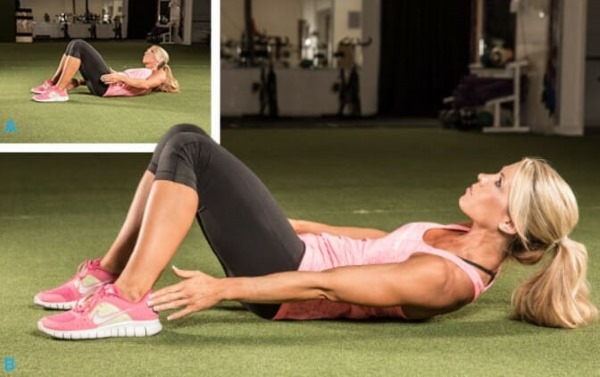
{"points": [[350, 284], [136, 83], [275, 288], [421, 281], [199, 291]]}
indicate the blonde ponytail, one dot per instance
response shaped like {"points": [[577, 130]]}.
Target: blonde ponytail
{"points": [[171, 85], [558, 295], [544, 211]]}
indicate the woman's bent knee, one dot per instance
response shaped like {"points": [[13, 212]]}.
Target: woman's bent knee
{"points": [[184, 127], [74, 48], [179, 144], [181, 157]]}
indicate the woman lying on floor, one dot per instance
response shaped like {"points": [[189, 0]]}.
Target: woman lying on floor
{"points": [[289, 269], [101, 80]]}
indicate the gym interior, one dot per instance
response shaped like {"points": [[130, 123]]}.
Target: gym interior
{"points": [[369, 113]]}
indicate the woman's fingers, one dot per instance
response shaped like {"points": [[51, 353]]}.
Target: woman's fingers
{"points": [[163, 295], [173, 304], [180, 314], [175, 300], [159, 296], [184, 274], [194, 293], [110, 78]]}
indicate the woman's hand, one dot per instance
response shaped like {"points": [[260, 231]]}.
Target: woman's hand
{"points": [[197, 291], [111, 78]]}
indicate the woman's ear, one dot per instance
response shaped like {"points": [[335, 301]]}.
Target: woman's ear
{"points": [[507, 227]]}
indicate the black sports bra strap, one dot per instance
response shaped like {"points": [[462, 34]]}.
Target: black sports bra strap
{"points": [[489, 272]]}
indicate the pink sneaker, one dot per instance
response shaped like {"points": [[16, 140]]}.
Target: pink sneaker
{"points": [[52, 95], [88, 279], [102, 315], [42, 88]]}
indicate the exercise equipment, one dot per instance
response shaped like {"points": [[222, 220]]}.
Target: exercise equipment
{"points": [[118, 27], [267, 92], [167, 29], [24, 19], [348, 88], [63, 20], [487, 90]]}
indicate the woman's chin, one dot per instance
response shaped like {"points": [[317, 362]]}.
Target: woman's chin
{"points": [[461, 204]]}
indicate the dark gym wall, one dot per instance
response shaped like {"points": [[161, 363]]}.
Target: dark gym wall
{"points": [[499, 22], [141, 18], [425, 49], [8, 26]]}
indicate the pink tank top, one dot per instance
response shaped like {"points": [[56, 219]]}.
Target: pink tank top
{"points": [[324, 251], [121, 89]]}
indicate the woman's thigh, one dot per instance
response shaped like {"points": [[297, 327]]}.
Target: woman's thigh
{"points": [[243, 223]]}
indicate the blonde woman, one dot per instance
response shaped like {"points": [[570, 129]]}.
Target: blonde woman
{"points": [[101, 80], [289, 269]]}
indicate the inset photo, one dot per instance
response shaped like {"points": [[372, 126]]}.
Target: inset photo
{"points": [[103, 71]]}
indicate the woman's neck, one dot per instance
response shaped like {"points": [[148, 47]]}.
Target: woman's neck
{"points": [[481, 245]]}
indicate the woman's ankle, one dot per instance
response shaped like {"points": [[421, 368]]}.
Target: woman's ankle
{"points": [[130, 292], [110, 266]]}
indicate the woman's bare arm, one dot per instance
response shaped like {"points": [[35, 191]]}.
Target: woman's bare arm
{"points": [[425, 281], [156, 79]]}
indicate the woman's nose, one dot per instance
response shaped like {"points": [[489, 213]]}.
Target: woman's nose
{"points": [[481, 177]]}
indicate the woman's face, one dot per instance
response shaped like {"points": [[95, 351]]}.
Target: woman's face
{"points": [[150, 60], [486, 201]]}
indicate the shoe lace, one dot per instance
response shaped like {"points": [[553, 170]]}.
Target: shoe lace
{"points": [[82, 270], [85, 304]]}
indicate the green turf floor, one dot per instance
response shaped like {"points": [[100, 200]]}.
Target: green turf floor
{"points": [[90, 119], [56, 210]]}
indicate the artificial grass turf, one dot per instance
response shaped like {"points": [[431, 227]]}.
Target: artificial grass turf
{"points": [[86, 118], [56, 210]]}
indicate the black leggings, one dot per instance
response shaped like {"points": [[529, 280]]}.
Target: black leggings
{"points": [[92, 65], [242, 222]]}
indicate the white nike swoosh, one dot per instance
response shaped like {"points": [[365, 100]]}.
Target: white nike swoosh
{"points": [[99, 320], [86, 289]]}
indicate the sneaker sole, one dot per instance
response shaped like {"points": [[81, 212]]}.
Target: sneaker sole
{"points": [[124, 329], [52, 100], [54, 305]]}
